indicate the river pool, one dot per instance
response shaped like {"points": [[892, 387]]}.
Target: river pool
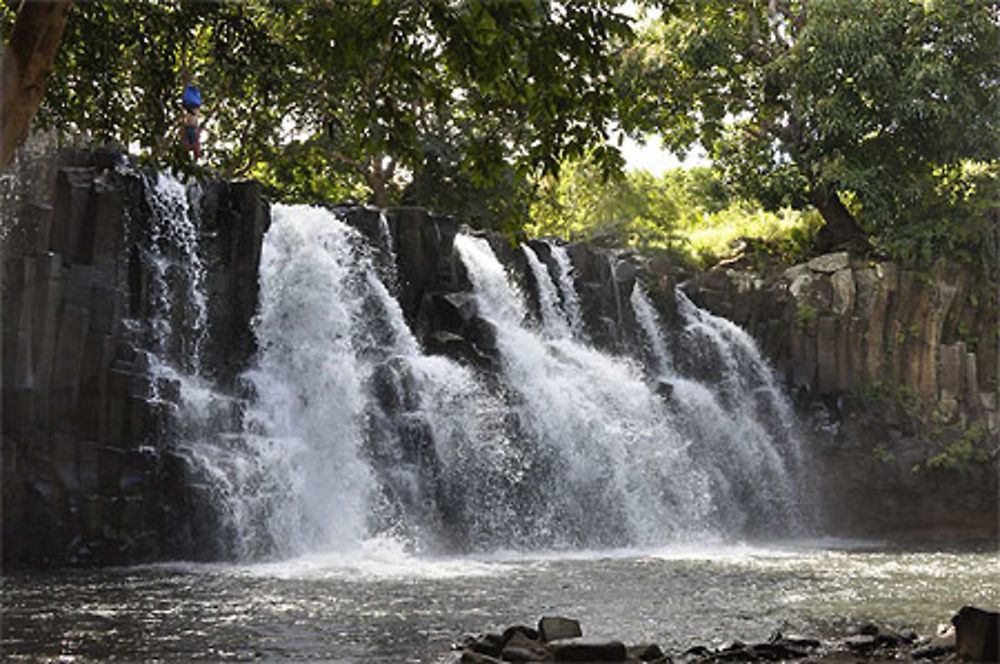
{"points": [[379, 604]]}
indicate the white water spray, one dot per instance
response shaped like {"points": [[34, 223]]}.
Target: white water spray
{"points": [[649, 323], [179, 324]]}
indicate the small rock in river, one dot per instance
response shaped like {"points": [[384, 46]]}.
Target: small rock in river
{"points": [[557, 627]]}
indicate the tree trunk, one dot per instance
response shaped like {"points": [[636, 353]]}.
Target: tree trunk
{"points": [[380, 191], [840, 227], [378, 178], [27, 61]]}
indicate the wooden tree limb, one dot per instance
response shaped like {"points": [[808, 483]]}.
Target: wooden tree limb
{"points": [[27, 60]]}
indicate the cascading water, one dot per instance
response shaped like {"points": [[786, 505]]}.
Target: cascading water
{"points": [[606, 466], [353, 432], [203, 419], [177, 295], [729, 395], [555, 323], [570, 300], [649, 323]]}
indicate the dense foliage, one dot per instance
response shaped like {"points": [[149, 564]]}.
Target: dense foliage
{"points": [[330, 99], [862, 109], [881, 115], [693, 213]]}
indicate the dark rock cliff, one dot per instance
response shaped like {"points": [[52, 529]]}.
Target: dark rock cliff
{"points": [[87, 474], [434, 291], [896, 368]]}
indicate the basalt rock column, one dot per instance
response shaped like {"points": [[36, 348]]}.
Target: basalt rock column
{"points": [[89, 475]]}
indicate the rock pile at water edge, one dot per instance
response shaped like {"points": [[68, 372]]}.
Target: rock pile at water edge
{"points": [[558, 639]]}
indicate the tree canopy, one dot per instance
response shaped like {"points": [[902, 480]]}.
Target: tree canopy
{"points": [[883, 115], [856, 107], [327, 99]]}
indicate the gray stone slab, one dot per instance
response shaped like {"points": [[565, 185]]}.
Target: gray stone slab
{"points": [[830, 263]]}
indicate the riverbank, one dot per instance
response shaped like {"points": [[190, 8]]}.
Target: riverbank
{"points": [[972, 636]]}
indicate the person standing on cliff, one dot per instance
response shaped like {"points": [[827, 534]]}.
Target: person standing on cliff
{"points": [[190, 130]]}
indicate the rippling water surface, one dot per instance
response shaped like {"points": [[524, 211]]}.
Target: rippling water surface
{"points": [[378, 604]]}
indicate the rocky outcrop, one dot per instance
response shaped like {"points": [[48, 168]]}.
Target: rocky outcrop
{"points": [[89, 475], [838, 325], [977, 634], [897, 369], [869, 643]]}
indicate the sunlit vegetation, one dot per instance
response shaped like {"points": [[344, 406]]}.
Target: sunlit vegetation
{"points": [[690, 212], [873, 124]]}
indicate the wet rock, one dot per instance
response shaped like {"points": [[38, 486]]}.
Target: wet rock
{"points": [[795, 641], [932, 652], [588, 650], [483, 333], [697, 651], [864, 643], [488, 644], [522, 649], [470, 657], [731, 655], [977, 634], [456, 309], [775, 652], [529, 632], [557, 627], [886, 639], [665, 390], [868, 629], [646, 652]]}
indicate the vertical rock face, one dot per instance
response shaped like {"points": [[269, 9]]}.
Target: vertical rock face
{"points": [[899, 367], [88, 473]]}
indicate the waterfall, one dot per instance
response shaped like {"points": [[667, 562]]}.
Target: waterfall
{"points": [[352, 432], [714, 455], [751, 408], [620, 465], [649, 323], [388, 274], [728, 393], [570, 299], [554, 321], [178, 324]]}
